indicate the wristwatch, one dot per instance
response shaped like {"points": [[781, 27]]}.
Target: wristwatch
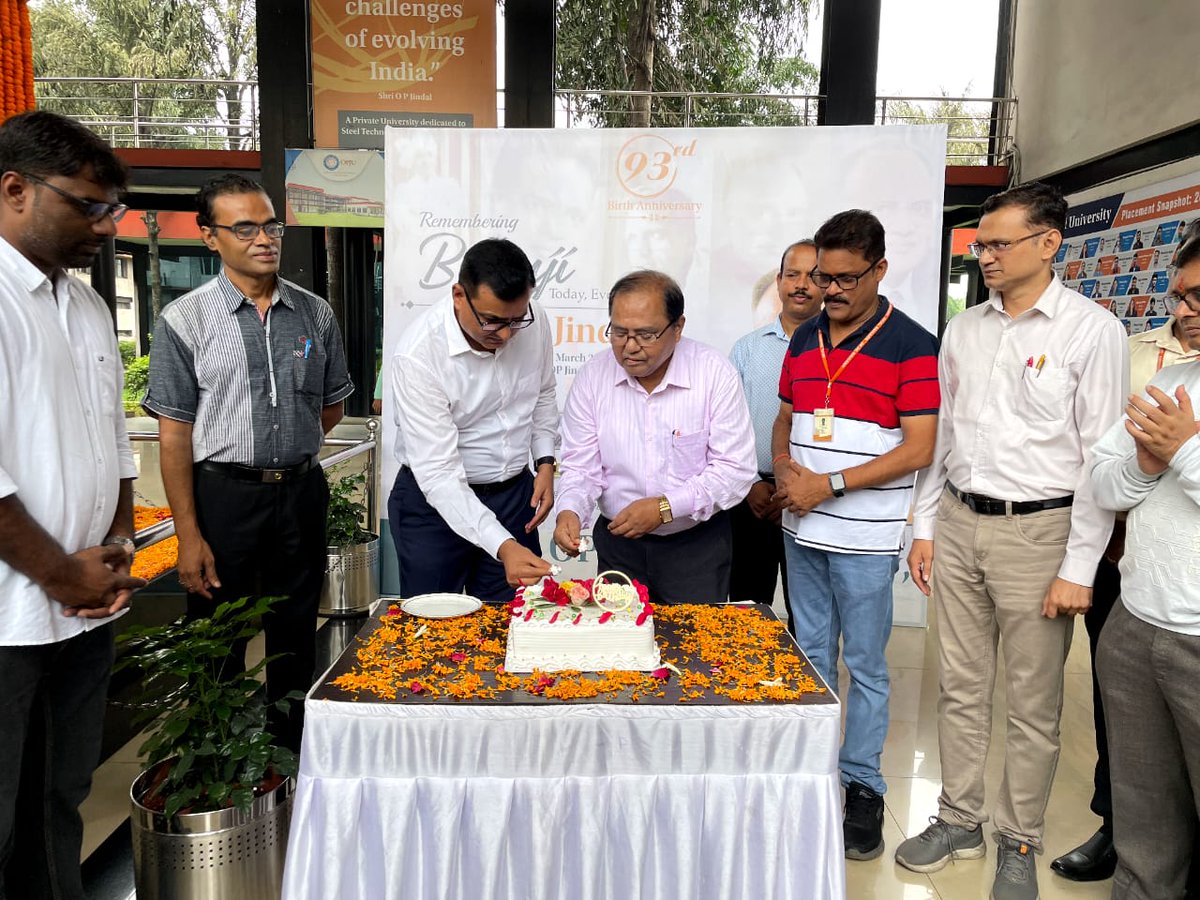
{"points": [[121, 541], [664, 510], [543, 461], [837, 484]]}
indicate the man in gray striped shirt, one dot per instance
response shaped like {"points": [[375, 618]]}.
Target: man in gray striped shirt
{"points": [[247, 373]]}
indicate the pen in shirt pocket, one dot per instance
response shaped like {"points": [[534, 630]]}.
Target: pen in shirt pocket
{"points": [[308, 347]]}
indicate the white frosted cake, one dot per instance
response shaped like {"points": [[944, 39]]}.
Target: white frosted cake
{"points": [[557, 626]]}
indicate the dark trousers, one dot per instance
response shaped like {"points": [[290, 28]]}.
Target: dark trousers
{"points": [[758, 559], [52, 699], [435, 559], [1105, 591], [268, 540], [690, 566]]}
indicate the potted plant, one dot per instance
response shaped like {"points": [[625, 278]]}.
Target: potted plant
{"points": [[352, 562], [211, 810]]}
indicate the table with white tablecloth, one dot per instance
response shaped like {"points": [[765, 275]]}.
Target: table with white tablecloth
{"points": [[580, 800]]}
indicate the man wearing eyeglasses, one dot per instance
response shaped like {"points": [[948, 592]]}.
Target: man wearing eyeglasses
{"points": [[66, 493], [856, 417], [247, 374], [472, 381], [1007, 530], [657, 433]]}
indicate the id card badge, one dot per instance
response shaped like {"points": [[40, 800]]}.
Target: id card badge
{"points": [[823, 424]]}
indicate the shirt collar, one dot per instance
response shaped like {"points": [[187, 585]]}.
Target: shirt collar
{"points": [[823, 322], [30, 276], [775, 327], [678, 370], [1164, 336], [456, 341], [1047, 303], [234, 298]]}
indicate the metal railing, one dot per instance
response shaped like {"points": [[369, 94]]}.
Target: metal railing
{"points": [[980, 129], [160, 531], [168, 113]]}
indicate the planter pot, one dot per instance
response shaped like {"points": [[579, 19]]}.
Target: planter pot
{"points": [[211, 855], [351, 579]]}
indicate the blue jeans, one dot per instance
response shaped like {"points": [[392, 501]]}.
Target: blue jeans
{"points": [[848, 595]]}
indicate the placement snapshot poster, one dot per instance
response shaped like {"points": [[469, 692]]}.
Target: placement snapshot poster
{"points": [[1116, 249]]}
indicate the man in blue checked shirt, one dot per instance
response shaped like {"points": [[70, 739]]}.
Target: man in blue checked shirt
{"points": [[758, 358]]}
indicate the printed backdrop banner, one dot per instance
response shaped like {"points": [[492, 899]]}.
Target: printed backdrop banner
{"points": [[379, 63], [1116, 249], [712, 207]]}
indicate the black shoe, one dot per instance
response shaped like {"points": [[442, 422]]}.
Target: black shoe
{"points": [[862, 826], [1093, 860]]}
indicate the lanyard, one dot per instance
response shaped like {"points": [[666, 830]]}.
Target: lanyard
{"points": [[1162, 352], [853, 353]]}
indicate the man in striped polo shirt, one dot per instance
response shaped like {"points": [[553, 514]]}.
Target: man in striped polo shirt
{"points": [[858, 416], [247, 374]]}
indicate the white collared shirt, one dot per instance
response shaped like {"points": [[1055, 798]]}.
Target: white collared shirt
{"points": [[467, 416], [1012, 431], [63, 444]]}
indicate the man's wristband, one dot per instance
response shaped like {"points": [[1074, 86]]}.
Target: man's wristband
{"points": [[543, 461], [778, 457]]}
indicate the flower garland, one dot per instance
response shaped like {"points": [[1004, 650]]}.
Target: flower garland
{"points": [[721, 651], [16, 59], [152, 561]]}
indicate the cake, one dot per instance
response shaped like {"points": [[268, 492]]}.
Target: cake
{"points": [[592, 626]]}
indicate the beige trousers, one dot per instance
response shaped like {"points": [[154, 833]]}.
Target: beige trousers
{"points": [[990, 575]]}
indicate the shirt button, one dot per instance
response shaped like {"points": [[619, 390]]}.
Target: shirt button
{"points": [[276, 459], [274, 427]]}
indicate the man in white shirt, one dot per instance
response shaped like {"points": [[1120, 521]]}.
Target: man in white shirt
{"points": [[1030, 380], [66, 495], [1148, 658], [472, 382]]}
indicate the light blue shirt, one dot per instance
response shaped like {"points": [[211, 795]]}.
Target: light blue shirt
{"points": [[758, 358]]}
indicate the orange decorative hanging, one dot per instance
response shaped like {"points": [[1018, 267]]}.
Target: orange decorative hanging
{"points": [[16, 58]]}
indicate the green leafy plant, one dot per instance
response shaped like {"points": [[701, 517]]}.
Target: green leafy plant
{"points": [[137, 377], [209, 746], [347, 512]]}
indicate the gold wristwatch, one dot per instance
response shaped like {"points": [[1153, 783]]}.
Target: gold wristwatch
{"points": [[664, 510]]}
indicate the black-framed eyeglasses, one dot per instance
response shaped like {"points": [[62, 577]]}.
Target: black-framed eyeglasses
{"points": [[248, 231], [492, 324], [997, 247], [845, 282], [1191, 299], [643, 336], [93, 210]]}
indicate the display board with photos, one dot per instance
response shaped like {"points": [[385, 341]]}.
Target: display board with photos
{"points": [[1117, 249]]}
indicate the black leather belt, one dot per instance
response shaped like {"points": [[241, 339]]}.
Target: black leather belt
{"points": [[498, 487], [264, 476], [988, 506]]}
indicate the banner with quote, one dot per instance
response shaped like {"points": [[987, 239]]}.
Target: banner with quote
{"points": [[712, 207], [379, 63]]}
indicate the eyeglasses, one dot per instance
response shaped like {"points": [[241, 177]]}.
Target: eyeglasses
{"points": [[845, 282], [248, 231], [643, 336], [1191, 299], [93, 210], [492, 324], [997, 247]]}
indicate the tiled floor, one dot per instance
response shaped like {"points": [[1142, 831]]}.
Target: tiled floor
{"points": [[910, 764]]}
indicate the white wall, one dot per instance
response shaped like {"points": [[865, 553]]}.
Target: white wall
{"points": [[1094, 76]]}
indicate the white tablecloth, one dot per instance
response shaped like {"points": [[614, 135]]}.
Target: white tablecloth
{"points": [[579, 802]]}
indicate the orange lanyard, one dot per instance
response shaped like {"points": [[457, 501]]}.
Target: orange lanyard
{"points": [[853, 353], [1161, 354]]}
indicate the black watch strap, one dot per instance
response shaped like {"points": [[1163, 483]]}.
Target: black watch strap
{"points": [[543, 461]]}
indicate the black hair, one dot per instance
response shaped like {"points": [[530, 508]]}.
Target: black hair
{"points": [[501, 265], [649, 279], [1044, 204], [1187, 253], [229, 183], [853, 229], [45, 144], [805, 242]]}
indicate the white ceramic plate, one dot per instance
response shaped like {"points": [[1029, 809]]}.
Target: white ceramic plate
{"points": [[440, 606]]}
